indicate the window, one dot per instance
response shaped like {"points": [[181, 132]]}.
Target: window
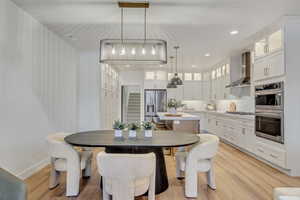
{"points": [[149, 75], [197, 76], [227, 69], [188, 76], [180, 75], [223, 70], [219, 72], [170, 76], [213, 74]]}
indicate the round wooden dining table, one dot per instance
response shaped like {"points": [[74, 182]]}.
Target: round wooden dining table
{"points": [[138, 145]]}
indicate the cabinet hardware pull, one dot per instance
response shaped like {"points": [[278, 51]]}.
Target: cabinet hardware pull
{"points": [[273, 156], [260, 150]]}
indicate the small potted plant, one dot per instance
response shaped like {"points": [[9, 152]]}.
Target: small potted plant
{"points": [[133, 127], [118, 126], [148, 128], [173, 105]]}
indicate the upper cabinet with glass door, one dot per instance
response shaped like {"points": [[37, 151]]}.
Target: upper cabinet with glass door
{"points": [[269, 44]]}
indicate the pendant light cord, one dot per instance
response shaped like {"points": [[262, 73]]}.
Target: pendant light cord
{"points": [[122, 18], [176, 54], [145, 27]]}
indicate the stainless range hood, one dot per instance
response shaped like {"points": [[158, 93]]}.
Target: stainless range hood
{"points": [[244, 80]]}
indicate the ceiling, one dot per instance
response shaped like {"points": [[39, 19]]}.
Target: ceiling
{"points": [[197, 26]]}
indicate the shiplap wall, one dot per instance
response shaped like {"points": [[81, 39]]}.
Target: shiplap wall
{"points": [[38, 89]]}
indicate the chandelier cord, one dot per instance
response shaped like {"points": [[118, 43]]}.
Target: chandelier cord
{"points": [[145, 26]]}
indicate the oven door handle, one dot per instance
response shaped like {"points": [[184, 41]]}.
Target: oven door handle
{"points": [[268, 92], [273, 115]]}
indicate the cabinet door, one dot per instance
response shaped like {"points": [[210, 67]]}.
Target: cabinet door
{"points": [[276, 65], [205, 90], [197, 95], [275, 41], [188, 90], [260, 48], [260, 69]]}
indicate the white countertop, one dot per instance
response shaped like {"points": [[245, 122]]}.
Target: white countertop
{"points": [[185, 116], [250, 117]]}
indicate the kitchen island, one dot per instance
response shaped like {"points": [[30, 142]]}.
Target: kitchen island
{"points": [[181, 121]]}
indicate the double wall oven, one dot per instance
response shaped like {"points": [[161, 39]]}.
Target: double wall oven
{"points": [[269, 114]]}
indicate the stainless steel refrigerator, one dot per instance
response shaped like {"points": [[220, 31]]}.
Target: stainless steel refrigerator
{"points": [[155, 100]]}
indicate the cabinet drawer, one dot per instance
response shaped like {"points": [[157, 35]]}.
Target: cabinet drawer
{"points": [[273, 155]]}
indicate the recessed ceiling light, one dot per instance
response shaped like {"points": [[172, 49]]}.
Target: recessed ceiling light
{"points": [[207, 55], [234, 32]]}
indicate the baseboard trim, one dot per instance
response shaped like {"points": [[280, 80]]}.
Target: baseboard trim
{"points": [[33, 169]]}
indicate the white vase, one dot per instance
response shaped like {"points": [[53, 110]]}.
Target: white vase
{"points": [[118, 133], [173, 110], [148, 133], [132, 133]]}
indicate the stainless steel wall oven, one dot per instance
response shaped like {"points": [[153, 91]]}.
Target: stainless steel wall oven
{"points": [[269, 114]]}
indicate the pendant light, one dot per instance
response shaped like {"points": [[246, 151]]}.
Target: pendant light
{"points": [[171, 84], [176, 79]]}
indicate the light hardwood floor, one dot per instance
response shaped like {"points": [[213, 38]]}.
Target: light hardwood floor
{"points": [[238, 176]]}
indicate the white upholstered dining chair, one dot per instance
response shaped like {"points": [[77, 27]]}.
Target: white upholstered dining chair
{"points": [[198, 159], [125, 176], [286, 193], [64, 157]]}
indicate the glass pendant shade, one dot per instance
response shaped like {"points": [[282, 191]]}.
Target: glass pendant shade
{"points": [[133, 51], [176, 80], [171, 85]]}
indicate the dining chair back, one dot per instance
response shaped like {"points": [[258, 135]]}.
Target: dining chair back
{"points": [[286, 193], [125, 176], [198, 159], [11, 187], [66, 158]]}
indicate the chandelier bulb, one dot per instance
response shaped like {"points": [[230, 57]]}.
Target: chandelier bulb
{"points": [[123, 51], [133, 51], [153, 51], [143, 51], [113, 51]]}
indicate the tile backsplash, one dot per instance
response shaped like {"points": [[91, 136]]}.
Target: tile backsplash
{"points": [[244, 104], [194, 105]]}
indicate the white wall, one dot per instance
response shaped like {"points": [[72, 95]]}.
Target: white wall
{"points": [[89, 100], [38, 92]]}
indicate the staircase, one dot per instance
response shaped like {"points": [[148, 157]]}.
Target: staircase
{"points": [[134, 108]]}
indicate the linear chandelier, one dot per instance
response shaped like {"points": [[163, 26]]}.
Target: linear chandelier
{"points": [[133, 51]]}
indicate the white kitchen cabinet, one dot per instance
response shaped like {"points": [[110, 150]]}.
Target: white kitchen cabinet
{"points": [[269, 44], [260, 48], [192, 90], [271, 153], [110, 89], [276, 64], [259, 69], [275, 41], [220, 77], [269, 56], [269, 66]]}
